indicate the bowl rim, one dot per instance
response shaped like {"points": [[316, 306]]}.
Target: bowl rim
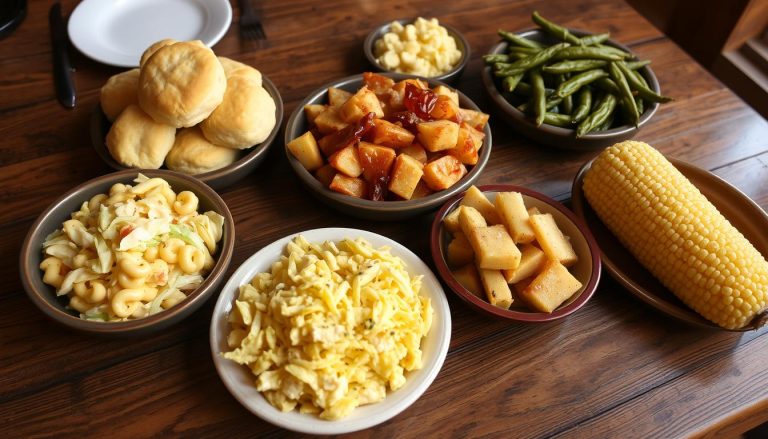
{"points": [[520, 316], [429, 201], [504, 106], [461, 42], [193, 300], [99, 141], [264, 410]]}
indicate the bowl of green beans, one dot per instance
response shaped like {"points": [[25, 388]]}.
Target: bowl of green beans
{"points": [[570, 89]]}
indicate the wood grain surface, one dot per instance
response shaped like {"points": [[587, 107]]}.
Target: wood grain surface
{"points": [[616, 368]]}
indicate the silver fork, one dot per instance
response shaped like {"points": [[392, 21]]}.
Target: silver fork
{"points": [[250, 22]]}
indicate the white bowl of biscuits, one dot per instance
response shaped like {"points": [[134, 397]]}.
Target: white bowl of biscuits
{"points": [[187, 110]]}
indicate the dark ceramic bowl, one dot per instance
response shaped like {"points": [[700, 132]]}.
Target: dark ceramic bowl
{"points": [[587, 270], [44, 296], [555, 136], [220, 178], [461, 43], [377, 210]]}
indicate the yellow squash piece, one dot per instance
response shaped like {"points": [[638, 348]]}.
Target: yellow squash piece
{"points": [[677, 234]]}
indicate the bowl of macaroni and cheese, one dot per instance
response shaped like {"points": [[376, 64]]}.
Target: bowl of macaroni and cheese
{"points": [[330, 331], [128, 253], [419, 47]]}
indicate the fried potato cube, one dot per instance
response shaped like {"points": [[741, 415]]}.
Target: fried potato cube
{"points": [[305, 149], [469, 278], [347, 161], [329, 122], [389, 134], [442, 90], [459, 251], [421, 191], [312, 111], [532, 259], [445, 109], [337, 96], [443, 173], [375, 160], [470, 219], [553, 286], [533, 211], [496, 288], [552, 240], [494, 248], [466, 149], [416, 151], [437, 135], [325, 175], [406, 175], [360, 104], [474, 197], [355, 187], [474, 118], [451, 221], [511, 209]]}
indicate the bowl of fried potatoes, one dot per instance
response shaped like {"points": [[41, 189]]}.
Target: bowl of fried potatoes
{"points": [[514, 253], [387, 146]]}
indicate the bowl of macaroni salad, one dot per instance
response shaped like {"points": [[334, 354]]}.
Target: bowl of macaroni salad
{"points": [[418, 47], [129, 252], [330, 331]]}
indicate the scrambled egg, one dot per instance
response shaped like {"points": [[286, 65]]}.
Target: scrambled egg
{"points": [[330, 327], [423, 48]]}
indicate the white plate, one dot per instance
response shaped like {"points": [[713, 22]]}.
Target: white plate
{"points": [[116, 32], [240, 381]]}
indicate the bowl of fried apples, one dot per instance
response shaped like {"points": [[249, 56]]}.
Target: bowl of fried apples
{"points": [[387, 146], [514, 253]]}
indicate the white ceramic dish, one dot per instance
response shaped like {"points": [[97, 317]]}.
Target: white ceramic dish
{"points": [[116, 32], [240, 381]]}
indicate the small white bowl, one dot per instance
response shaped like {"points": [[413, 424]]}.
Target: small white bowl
{"points": [[240, 381]]}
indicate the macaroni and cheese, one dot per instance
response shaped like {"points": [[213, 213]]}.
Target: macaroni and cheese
{"points": [[423, 48], [132, 252], [330, 327]]}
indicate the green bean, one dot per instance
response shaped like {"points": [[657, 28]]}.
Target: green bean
{"points": [[525, 50], [614, 50], [558, 31], [607, 124], [534, 60], [525, 89], [510, 82], [551, 103], [642, 90], [558, 120], [624, 93], [572, 85], [640, 106], [574, 66], [598, 117], [539, 95], [634, 65], [585, 104], [518, 40], [496, 57], [567, 106], [594, 39], [591, 52], [608, 85]]}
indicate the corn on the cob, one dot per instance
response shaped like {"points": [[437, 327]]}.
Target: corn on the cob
{"points": [[677, 234]]}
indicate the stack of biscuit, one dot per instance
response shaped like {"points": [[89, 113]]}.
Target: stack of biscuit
{"points": [[218, 106]]}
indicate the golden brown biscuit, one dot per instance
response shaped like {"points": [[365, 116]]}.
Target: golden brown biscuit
{"points": [[181, 84], [244, 118], [232, 67], [153, 48], [119, 92], [137, 141], [193, 154]]}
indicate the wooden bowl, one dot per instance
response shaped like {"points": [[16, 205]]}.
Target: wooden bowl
{"points": [[44, 296], [551, 135], [218, 179], [368, 209], [587, 270]]}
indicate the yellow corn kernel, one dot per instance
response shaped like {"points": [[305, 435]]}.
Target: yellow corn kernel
{"points": [[677, 234]]}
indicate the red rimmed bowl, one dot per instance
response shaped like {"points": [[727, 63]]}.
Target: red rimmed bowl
{"points": [[587, 270]]}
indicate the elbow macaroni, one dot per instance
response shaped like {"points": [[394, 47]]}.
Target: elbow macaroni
{"points": [[423, 48], [330, 327], [128, 253]]}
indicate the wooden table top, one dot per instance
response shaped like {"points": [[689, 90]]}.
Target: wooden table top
{"points": [[616, 368]]}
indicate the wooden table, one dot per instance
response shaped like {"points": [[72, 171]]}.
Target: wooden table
{"points": [[616, 368]]}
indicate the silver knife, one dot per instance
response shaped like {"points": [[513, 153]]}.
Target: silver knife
{"points": [[62, 69]]}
